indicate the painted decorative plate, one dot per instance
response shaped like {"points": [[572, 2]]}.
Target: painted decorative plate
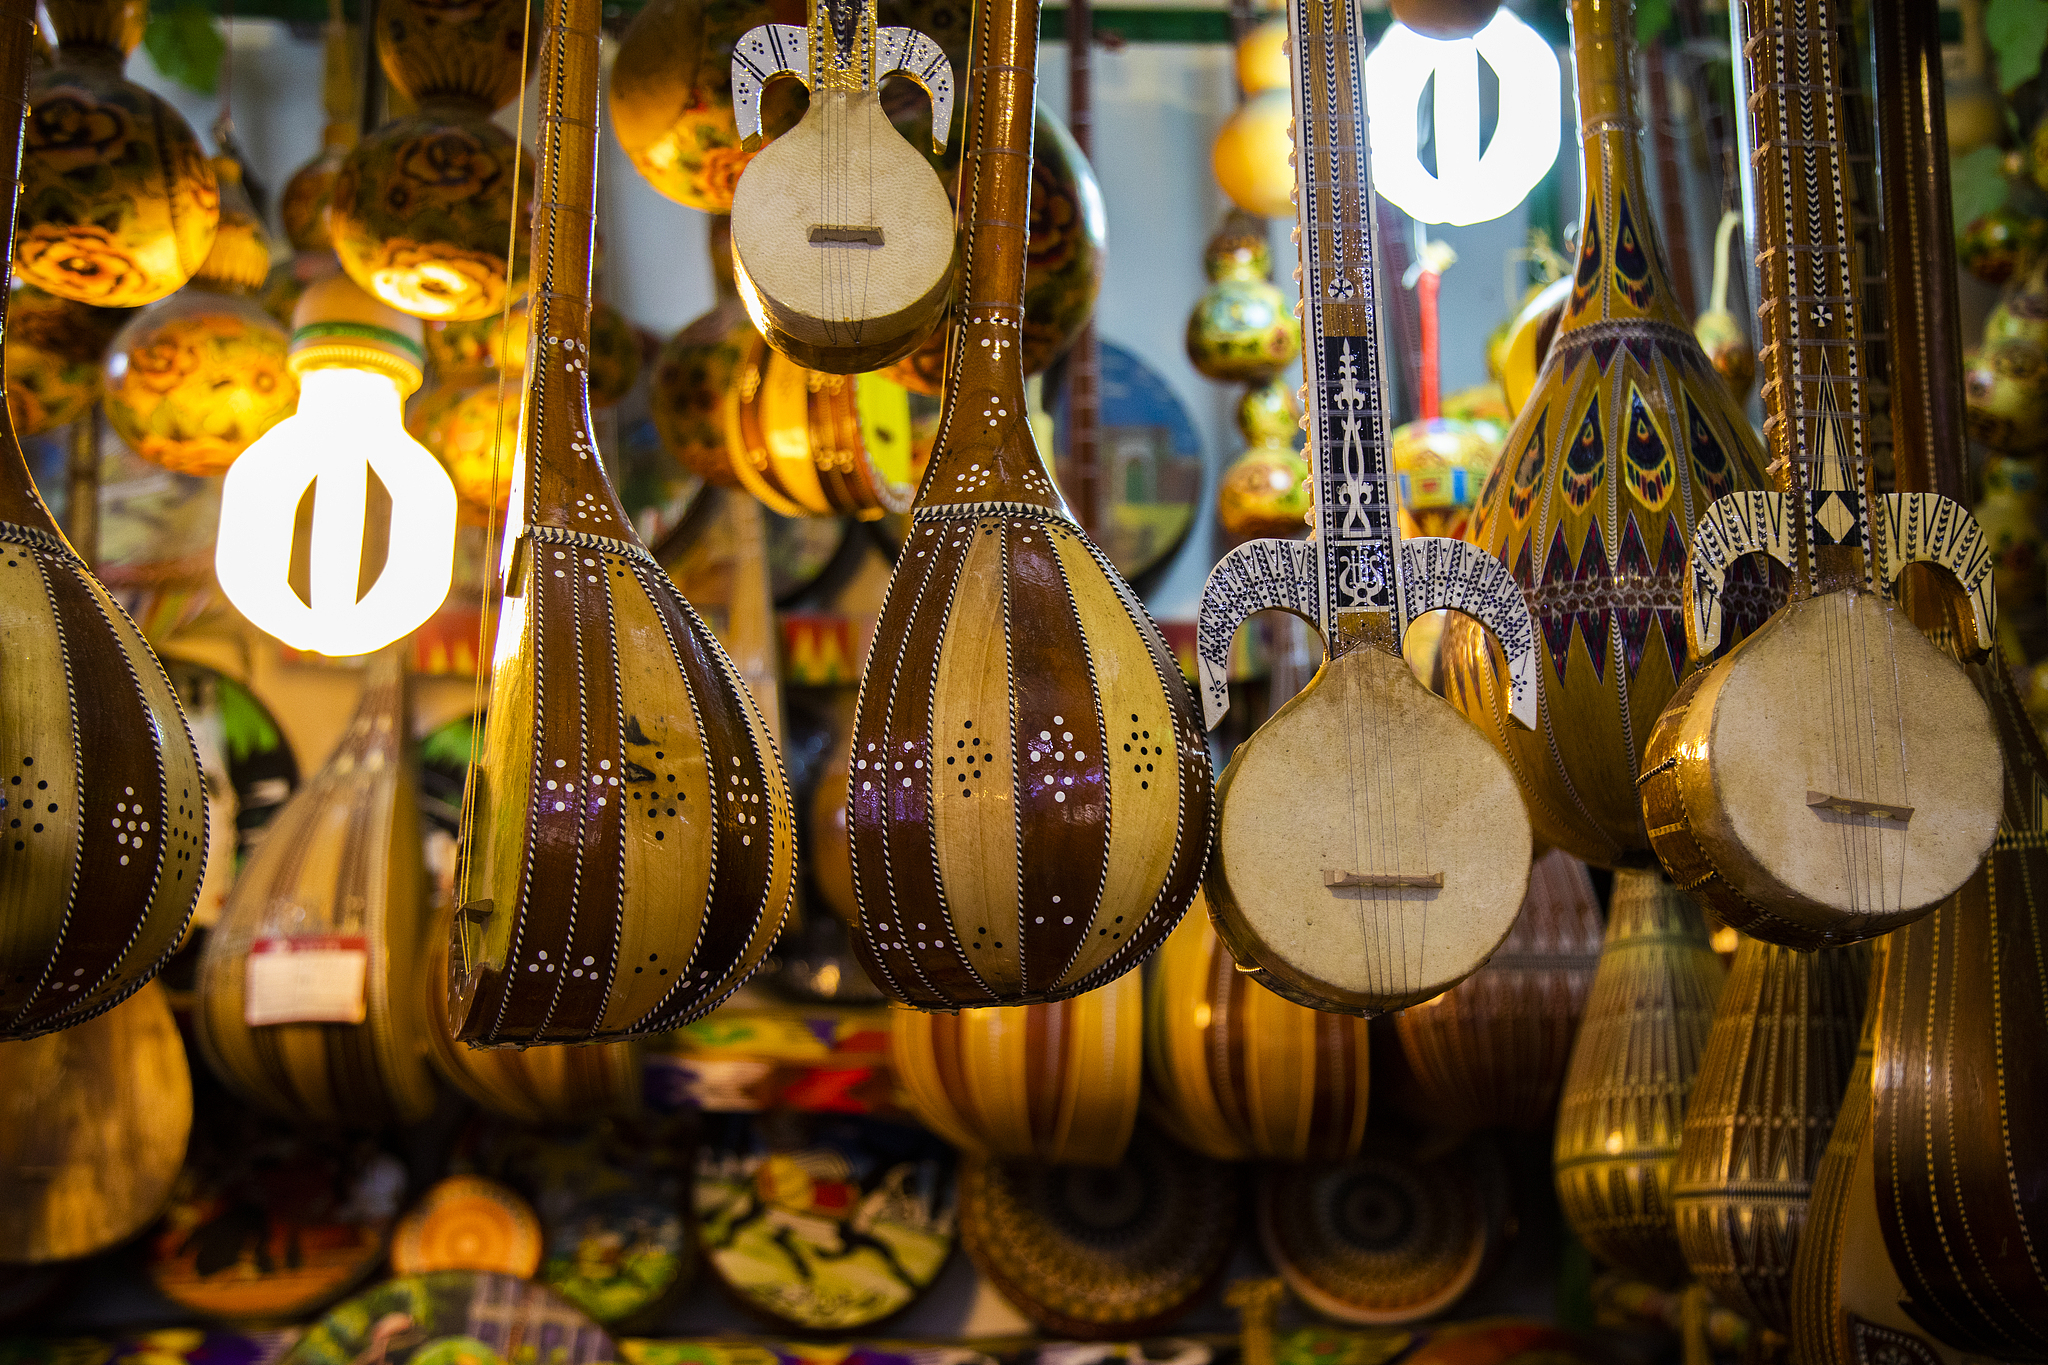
{"points": [[467, 1223], [824, 1222], [1150, 459], [1097, 1252], [455, 1317]]}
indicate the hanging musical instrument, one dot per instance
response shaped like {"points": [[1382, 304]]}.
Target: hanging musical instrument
{"points": [[103, 843], [1030, 801], [1492, 1050], [1836, 776], [93, 1124], [1056, 1082], [1404, 875], [467, 1223], [1627, 436], [633, 843], [810, 444], [310, 990], [454, 1316], [842, 238], [1632, 1069], [1102, 1253], [1235, 1071], [1778, 1056]]}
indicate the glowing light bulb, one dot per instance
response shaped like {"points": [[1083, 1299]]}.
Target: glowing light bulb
{"points": [[354, 372]]}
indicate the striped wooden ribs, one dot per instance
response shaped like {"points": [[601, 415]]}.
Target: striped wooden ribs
{"points": [[342, 859], [633, 842], [1239, 1073], [103, 830], [1030, 806], [1055, 1082]]}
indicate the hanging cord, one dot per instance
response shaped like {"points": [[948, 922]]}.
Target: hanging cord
{"points": [[481, 694]]}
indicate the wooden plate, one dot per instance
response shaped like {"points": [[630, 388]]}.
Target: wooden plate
{"points": [[1386, 1237], [468, 1223], [823, 1222], [1102, 1252], [455, 1317]]}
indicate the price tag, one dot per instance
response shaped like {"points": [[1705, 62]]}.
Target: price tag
{"points": [[306, 979]]}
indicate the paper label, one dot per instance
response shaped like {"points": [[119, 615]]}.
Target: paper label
{"points": [[306, 979]]}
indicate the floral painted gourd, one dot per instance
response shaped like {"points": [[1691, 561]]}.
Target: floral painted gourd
{"points": [[118, 203], [420, 208], [54, 350], [697, 366], [1241, 330]]}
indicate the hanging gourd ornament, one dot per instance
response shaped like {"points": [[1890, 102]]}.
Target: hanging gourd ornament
{"points": [[1241, 330], [420, 209], [1250, 155], [54, 350], [1267, 490], [469, 419], [695, 368], [193, 379], [118, 203]]}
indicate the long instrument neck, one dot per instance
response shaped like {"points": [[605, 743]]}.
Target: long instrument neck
{"points": [[985, 451], [19, 502], [1357, 531], [1813, 395], [842, 36], [564, 482]]}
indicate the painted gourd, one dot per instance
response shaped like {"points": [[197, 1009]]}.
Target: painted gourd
{"points": [[341, 867], [1492, 1050], [54, 352], [419, 209], [1016, 688], [1268, 490], [695, 368], [194, 379], [1777, 1063], [470, 419], [1053, 1083], [118, 203], [1628, 437], [1632, 1069], [632, 849], [1237, 1072], [302, 206], [1241, 330], [105, 845]]}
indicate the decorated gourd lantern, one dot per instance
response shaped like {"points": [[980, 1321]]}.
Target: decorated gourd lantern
{"points": [[54, 352], [671, 96], [118, 203], [696, 366], [1267, 490], [1439, 464], [421, 208], [1251, 151], [1629, 435], [469, 418], [302, 208], [193, 379], [1241, 330]]}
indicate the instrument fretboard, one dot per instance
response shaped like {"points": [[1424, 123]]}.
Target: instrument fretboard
{"points": [[1357, 526]]}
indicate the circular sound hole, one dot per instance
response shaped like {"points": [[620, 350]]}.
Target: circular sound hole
{"points": [[1098, 1202]]}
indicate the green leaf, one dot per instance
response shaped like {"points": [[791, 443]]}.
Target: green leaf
{"points": [[1977, 185], [246, 725], [1654, 16], [186, 45], [2018, 30]]}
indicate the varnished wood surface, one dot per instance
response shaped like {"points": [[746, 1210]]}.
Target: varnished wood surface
{"points": [[1056, 1082], [103, 835], [1632, 1070], [1492, 1050], [93, 1124], [342, 859], [634, 844], [1237, 1072], [1629, 435]]}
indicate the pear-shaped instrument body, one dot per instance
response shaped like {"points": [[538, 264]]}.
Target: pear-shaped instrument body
{"points": [[1238, 1072], [1632, 1070], [634, 843], [1492, 1050], [1030, 806], [341, 875], [1628, 437], [1777, 1063]]}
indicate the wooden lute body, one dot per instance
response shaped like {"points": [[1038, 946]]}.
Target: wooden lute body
{"points": [[1402, 870], [842, 234], [1030, 804], [338, 887], [103, 832], [632, 844], [1835, 776]]}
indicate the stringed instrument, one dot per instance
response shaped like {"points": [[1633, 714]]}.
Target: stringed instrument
{"points": [[631, 846], [842, 236], [1030, 804], [310, 997], [1836, 775], [1628, 433], [1405, 873], [103, 844]]}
